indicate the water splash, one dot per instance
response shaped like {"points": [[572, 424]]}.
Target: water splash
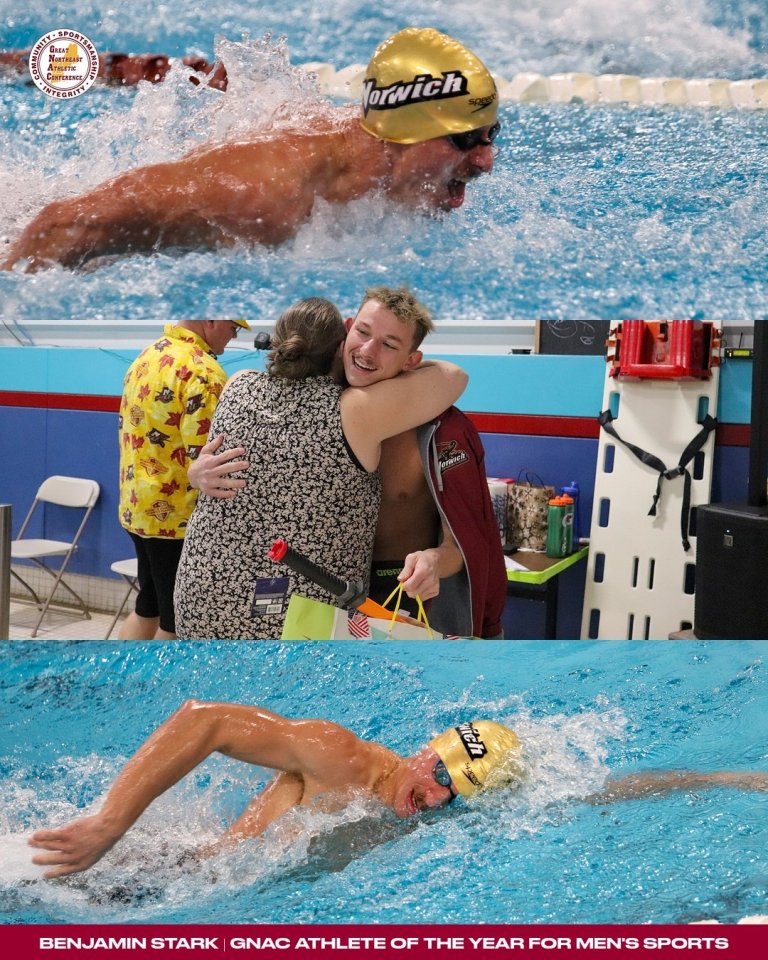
{"points": [[581, 709], [149, 124]]}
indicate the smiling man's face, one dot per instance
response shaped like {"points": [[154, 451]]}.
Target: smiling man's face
{"points": [[379, 346]]}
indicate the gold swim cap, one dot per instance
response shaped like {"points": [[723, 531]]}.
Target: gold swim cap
{"points": [[480, 755], [242, 323], [421, 84]]}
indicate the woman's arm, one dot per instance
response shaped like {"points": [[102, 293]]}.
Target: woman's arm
{"points": [[371, 414]]}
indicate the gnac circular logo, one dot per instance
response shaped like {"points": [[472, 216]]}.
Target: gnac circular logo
{"points": [[63, 64]]}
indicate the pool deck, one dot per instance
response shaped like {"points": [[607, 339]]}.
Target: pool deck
{"points": [[57, 625]]}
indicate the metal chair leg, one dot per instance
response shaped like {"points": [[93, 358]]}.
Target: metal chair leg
{"points": [[131, 587]]}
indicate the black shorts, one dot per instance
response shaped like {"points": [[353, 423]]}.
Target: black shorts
{"points": [[158, 560], [383, 579]]}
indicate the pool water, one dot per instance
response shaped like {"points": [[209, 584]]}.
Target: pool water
{"points": [[652, 37], [73, 712], [592, 211]]}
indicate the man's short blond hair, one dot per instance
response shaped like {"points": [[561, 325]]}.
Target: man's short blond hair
{"points": [[405, 307]]}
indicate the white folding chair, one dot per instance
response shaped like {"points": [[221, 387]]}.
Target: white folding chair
{"points": [[64, 492], [129, 571]]}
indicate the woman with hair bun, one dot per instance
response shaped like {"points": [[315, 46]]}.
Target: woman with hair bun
{"points": [[313, 450]]}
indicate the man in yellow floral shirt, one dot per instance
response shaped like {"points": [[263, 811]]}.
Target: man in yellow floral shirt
{"points": [[169, 394]]}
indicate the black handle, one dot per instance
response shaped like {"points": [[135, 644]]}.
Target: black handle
{"points": [[348, 593]]}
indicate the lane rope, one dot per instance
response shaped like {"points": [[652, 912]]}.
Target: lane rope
{"points": [[622, 88]]}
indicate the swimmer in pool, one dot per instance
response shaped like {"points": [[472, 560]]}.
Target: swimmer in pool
{"points": [[425, 130], [314, 759], [318, 761]]}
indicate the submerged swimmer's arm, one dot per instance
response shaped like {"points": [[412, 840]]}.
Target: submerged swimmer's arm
{"points": [[124, 214], [284, 792], [657, 783]]}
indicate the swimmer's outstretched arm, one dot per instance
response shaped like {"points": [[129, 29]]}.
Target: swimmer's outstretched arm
{"points": [[194, 732], [118, 216], [656, 783]]}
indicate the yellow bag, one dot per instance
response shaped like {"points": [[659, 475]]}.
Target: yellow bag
{"points": [[314, 620]]}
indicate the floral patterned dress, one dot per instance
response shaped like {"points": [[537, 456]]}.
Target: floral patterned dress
{"points": [[303, 485]]}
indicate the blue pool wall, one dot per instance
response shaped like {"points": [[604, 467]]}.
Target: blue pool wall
{"points": [[55, 437]]}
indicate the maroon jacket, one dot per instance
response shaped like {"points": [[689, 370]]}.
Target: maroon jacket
{"points": [[471, 602]]}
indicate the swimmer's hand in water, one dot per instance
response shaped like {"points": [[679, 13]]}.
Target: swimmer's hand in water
{"points": [[210, 473], [74, 847]]}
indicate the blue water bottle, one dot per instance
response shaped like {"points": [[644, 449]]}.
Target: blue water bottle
{"points": [[572, 491]]}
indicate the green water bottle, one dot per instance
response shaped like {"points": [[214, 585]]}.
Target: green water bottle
{"points": [[555, 516], [572, 490], [560, 527]]}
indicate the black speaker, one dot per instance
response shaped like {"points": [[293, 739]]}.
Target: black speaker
{"points": [[731, 572]]}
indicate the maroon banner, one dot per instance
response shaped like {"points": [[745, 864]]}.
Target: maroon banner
{"points": [[385, 942]]}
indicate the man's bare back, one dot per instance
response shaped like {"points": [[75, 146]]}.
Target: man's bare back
{"points": [[258, 191]]}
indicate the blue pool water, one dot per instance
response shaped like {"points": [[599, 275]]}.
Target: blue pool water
{"points": [[608, 212], [72, 713]]}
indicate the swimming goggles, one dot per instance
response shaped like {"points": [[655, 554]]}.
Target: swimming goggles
{"points": [[474, 138], [441, 776]]}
